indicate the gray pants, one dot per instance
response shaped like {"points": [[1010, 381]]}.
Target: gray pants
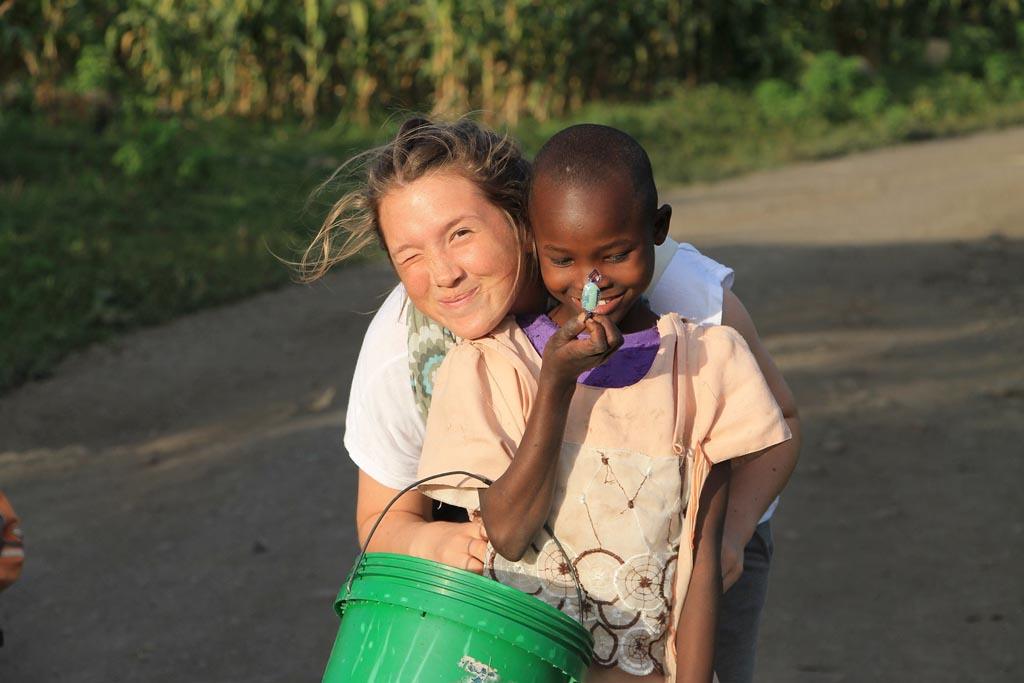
{"points": [[740, 615]]}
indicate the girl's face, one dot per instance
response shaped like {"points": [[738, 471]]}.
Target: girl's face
{"points": [[454, 250], [580, 229]]}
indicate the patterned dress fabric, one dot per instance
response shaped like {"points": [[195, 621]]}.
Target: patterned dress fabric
{"points": [[629, 460]]}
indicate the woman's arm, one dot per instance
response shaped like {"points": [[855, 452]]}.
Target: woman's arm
{"points": [[698, 621], [407, 528], [757, 481]]}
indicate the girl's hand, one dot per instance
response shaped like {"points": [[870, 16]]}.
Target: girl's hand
{"points": [[566, 356], [457, 544]]}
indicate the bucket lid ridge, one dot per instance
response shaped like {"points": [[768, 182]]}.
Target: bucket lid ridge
{"points": [[475, 601]]}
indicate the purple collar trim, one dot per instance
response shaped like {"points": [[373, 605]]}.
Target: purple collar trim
{"points": [[626, 366]]}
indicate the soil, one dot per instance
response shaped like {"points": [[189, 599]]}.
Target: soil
{"points": [[188, 506]]}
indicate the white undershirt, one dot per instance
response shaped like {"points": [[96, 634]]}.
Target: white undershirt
{"points": [[383, 427]]}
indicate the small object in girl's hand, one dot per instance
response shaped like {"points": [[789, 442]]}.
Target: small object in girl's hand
{"points": [[589, 297]]}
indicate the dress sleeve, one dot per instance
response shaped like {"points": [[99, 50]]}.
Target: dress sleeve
{"points": [[736, 413], [477, 419]]}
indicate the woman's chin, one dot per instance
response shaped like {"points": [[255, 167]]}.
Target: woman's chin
{"points": [[468, 323], [472, 328]]}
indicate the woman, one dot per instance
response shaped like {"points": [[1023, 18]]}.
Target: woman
{"points": [[447, 203]]}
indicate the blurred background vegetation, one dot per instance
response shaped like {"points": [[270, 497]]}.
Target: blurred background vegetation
{"points": [[153, 153]]}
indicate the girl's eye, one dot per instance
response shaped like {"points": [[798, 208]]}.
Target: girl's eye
{"points": [[617, 258], [561, 262]]}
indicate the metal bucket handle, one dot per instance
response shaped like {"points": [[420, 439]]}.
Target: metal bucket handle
{"points": [[485, 480]]}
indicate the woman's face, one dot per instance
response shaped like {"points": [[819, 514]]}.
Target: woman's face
{"points": [[455, 252]]}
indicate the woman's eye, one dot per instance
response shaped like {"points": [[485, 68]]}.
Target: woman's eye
{"points": [[461, 232], [406, 260]]}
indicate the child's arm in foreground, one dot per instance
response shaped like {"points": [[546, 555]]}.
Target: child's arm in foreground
{"points": [[756, 482], [518, 503], [698, 621]]}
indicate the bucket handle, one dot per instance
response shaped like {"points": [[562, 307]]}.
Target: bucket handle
{"points": [[485, 480]]}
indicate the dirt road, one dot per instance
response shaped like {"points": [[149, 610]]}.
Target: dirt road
{"points": [[188, 504]]}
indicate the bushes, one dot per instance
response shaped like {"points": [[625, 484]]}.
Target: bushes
{"points": [[833, 90], [281, 59], [829, 83]]}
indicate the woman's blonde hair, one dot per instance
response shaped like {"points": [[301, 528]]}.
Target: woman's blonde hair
{"points": [[493, 162]]}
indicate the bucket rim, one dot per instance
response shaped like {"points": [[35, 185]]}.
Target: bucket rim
{"points": [[433, 582]]}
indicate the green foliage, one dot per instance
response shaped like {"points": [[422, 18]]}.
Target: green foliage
{"points": [[970, 46], [155, 187], [830, 82], [281, 59], [954, 95], [87, 250], [871, 103], [780, 102], [151, 151], [1004, 75], [95, 69]]}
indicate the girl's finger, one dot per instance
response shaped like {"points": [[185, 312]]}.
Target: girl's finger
{"points": [[572, 328], [611, 331], [598, 337]]}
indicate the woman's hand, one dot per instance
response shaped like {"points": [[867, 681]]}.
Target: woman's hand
{"points": [[407, 528], [732, 562], [566, 356], [457, 544]]}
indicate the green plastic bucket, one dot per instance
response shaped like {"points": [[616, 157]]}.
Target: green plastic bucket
{"points": [[409, 619]]}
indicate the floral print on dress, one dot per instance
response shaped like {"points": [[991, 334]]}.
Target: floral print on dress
{"points": [[617, 515], [638, 582], [635, 652]]}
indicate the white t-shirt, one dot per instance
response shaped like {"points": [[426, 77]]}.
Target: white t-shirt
{"points": [[383, 428]]}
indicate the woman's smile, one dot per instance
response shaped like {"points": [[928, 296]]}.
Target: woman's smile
{"points": [[457, 300]]}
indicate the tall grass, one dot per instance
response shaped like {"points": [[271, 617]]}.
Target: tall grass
{"points": [[277, 59]]}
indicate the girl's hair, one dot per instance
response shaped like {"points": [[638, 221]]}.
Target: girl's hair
{"points": [[492, 162]]}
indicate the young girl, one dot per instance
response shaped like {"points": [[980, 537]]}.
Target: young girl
{"points": [[623, 450]]}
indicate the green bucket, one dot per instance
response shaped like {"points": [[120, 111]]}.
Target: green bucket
{"points": [[409, 619]]}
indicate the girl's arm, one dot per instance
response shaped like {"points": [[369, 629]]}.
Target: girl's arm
{"points": [[407, 528], [695, 632], [517, 504], [756, 482]]}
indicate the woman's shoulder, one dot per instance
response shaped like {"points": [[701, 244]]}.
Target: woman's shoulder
{"points": [[387, 334], [690, 284]]}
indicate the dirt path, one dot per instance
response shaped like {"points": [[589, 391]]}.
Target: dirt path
{"points": [[188, 504]]}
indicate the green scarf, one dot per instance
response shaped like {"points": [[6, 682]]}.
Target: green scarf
{"points": [[429, 342]]}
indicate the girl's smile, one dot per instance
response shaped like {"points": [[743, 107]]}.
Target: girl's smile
{"points": [[579, 229]]}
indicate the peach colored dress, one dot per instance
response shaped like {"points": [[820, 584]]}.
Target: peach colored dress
{"points": [[631, 467]]}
